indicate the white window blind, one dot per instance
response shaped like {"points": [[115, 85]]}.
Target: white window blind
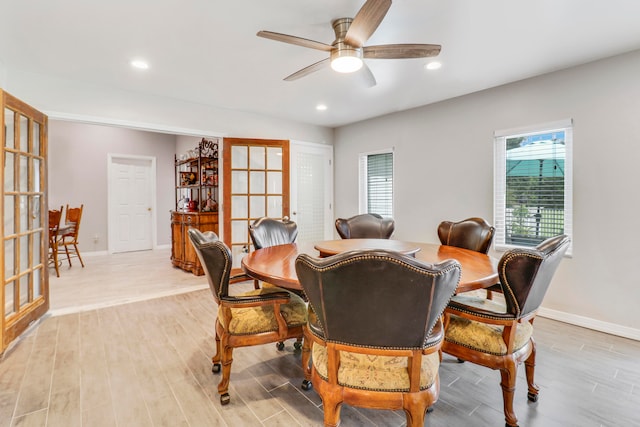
{"points": [[376, 183], [533, 184]]}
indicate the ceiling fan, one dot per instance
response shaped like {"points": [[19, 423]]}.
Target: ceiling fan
{"points": [[347, 50]]}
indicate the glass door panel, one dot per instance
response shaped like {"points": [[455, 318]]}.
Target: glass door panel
{"points": [[256, 178], [274, 182], [274, 158], [274, 207], [25, 288], [239, 157]]}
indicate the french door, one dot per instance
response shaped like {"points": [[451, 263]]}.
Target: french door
{"points": [[24, 294], [255, 184]]}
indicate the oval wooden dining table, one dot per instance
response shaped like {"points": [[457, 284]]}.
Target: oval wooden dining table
{"points": [[276, 264]]}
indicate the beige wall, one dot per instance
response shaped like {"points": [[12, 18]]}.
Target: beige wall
{"points": [[444, 170], [78, 174]]}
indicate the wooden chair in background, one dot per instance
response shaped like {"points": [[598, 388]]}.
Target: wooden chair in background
{"points": [[54, 225], [69, 239]]}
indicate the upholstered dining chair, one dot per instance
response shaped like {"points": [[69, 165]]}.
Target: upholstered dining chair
{"points": [[54, 226], [251, 318], [69, 240], [266, 232], [365, 226], [500, 335], [474, 234], [374, 330]]}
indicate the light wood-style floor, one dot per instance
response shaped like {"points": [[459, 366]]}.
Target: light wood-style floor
{"points": [[147, 363]]}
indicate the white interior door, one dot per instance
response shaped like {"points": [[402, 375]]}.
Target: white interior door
{"points": [[312, 190], [131, 213]]}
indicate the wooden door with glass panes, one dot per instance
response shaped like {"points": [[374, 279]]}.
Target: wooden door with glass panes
{"points": [[256, 184], [24, 260]]}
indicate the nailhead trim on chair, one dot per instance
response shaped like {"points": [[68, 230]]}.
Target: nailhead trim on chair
{"points": [[400, 262]]}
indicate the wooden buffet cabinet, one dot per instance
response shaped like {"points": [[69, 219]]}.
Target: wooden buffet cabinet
{"points": [[196, 189], [182, 253]]}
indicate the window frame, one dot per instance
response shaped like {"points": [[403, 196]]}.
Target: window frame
{"points": [[363, 196], [500, 186]]}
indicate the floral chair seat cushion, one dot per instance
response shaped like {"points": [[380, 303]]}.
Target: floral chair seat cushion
{"points": [[482, 336], [373, 372], [254, 320]]}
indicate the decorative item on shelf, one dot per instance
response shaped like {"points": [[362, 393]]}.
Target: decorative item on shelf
{"points": [[183, 204], [193, 206], [208, 148], [187, 178], [210, 205]]}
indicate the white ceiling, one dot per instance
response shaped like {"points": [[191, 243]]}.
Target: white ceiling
{"points": [[207, 51]]}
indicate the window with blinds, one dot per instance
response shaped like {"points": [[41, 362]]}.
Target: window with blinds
{"points": [[376, 183], [533, 186]]}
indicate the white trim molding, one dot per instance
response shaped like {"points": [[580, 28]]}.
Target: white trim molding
{"points": [[587, 322]]}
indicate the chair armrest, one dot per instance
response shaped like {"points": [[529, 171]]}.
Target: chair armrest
{"points": [[255, 300], [480, 314], [240, 277]]}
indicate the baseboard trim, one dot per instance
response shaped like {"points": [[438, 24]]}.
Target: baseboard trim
{"points": [[587, 322], [94, 253]]}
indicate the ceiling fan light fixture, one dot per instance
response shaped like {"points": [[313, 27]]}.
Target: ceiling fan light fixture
{"points": [[346, 64], [346, 59]]}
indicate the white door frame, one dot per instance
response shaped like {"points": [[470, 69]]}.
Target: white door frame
{"points": [[111, 159]]}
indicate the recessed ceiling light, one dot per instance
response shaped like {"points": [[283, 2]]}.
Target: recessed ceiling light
{"points": [[139, 64], [321, 107], [434, 65]]}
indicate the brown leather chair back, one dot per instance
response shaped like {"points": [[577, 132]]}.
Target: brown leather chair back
{"points": [[376, 298], [216, 261], [472, 233], [525, 274], [267, 232], [365, 226]]}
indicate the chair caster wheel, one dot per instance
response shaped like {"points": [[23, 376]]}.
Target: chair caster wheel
{"points": [[532, 397], [215, 368], [225, 399], [280, 346], [306, 385], [297, 345], [429, 409], [460, 361]]}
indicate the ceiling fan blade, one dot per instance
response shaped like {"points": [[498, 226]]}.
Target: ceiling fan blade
{"points": [[400, 51], [366, 21], [366, 76], [299, 41], [308, 70]]}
